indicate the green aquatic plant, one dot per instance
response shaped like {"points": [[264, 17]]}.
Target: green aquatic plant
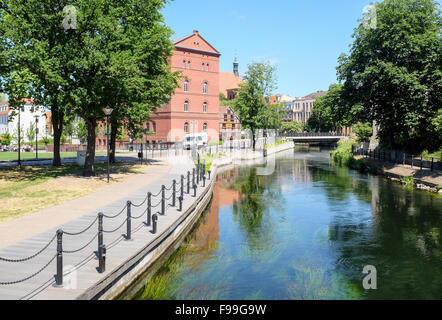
{"points": [[408, 182]]}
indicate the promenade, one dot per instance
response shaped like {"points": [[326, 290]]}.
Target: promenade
{"points": [[29, 244]]}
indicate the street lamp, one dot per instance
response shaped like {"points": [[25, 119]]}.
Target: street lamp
{"points": [[107, 111], [36, 136]]}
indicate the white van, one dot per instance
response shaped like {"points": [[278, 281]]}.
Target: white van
{"points": [[198, 139]]}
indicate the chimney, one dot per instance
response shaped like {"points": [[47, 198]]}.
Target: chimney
{"points": [[195, 32]]}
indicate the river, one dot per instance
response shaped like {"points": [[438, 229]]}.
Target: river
{"points": [[305, 232]]}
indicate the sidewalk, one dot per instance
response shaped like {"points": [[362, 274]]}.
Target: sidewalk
{"points": [[34, 223]]}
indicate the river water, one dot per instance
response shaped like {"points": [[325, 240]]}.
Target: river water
{"points": [[306, 232]]}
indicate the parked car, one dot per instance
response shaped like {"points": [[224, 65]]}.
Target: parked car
{"points": [[198, 139]]}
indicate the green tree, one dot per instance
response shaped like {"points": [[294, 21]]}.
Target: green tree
{"points": [[2, 98], [6, 139], [121, 60], [250, 105], [394, 72], [363, 131], [32, 38], [293, 126], [223, 100], [30, 132]]}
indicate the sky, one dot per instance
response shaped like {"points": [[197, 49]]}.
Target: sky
{"points": [[301, 38]]}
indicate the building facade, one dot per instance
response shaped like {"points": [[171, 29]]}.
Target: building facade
{"points": [[194, 107], [230, 126], [30, 115]]}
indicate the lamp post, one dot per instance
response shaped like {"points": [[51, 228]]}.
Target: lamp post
{"points": [[107, 111], [36, 136]]}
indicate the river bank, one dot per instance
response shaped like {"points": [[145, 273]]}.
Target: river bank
{"points": [[412, 177]]}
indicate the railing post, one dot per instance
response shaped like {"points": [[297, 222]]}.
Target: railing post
{"points": [[411, 161], [193, 177], [163, 200], [174, 193], [154, 223], [421, 162], [403, 156], [149, 208], [204, 181], [182, 186], [208, 172], [59, 276], [129, 221], [432, 164], [188, 182], [194, 190]]}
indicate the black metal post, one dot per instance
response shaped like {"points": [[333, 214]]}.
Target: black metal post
{"points": [[432, 164], [404, 158], [163, 200], [149, 208], [204, 181], [59, 276], [154, 223], [128, 221], [209, 172], [182, 186], [188, 182], [193, 177], [180, 199], [107, 143], [100, 231], [421, 162], [102, 258], [411, 161], [174, 193]]}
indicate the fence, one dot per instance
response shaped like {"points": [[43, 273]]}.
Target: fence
{"points": [[177, 191], [312, 134], [399, 157]]}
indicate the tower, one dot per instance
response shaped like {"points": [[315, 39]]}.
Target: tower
{"points": [[235, 67]]}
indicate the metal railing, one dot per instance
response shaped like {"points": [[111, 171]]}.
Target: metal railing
{"points": [[399, 157], [196, 178], [312, 134]]}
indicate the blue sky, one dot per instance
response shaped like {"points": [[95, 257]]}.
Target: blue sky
{"points": [[302, 38]]}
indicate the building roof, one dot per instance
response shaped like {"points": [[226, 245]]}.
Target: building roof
{"points": [[228, 81], [195, 42], [316, 95]]}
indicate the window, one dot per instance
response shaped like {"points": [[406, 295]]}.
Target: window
{"points": [[186, 86], [202, 67], [186, 127], [205, 107], [233, 126], [188, 65], [186, 106], [205, 87], [184, 64], [205, 127], [225, 117], [154, 127], [207, 67], [148, 126]]}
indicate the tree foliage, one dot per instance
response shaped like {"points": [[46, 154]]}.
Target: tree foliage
{"points": [[250, 106], [394, 72], [363, 131], [292, 126]]}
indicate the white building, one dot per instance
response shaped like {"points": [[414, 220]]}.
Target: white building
{"points": [[28, 114]]}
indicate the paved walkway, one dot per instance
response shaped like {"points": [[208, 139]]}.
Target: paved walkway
{"points": [[27, 235]]}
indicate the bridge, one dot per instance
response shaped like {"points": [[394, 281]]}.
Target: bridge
{"points": [[314, 138]]}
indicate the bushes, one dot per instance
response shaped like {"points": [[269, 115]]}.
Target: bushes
{"points": [[342, 156]]}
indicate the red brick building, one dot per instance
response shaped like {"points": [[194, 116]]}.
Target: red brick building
{"points": [[194, 107]]}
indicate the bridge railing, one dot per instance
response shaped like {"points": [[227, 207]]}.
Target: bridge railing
{"points": [[311, 134]]}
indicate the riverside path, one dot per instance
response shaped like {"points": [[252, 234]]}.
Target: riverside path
{"points": [[29, 253]]}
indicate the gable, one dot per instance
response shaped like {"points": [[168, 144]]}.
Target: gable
{"points": [[195, 42]]}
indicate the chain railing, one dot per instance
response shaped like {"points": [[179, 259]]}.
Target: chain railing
{"points": [[175, 192]]}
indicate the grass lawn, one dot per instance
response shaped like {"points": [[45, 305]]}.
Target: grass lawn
{"points": [[43, 155], [34, 188]]}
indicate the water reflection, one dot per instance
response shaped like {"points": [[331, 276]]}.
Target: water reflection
{"points": [[306, 232]]}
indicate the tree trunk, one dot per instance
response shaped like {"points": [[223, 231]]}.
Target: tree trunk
{"points": [[253, 139], [113, 138], [57, 118], [89, 169]]}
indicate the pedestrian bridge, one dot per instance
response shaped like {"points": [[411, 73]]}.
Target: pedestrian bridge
{"points": [[322, 138]]}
